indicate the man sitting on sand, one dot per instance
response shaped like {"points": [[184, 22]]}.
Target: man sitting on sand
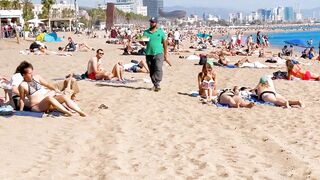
{"points": [[72, 46], [96, 72]]}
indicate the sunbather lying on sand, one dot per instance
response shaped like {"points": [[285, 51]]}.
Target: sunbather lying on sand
{"points": [[233, 99], [265, 91], [136, 67], [295, 70]]}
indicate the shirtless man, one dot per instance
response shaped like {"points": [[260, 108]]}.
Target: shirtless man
{"points": [[96, 72]]}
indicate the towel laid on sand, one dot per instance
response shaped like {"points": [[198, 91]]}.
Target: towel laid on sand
{"points": [[251, 98], [126, 81]]}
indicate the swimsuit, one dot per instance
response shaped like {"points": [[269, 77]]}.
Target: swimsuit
{"points": [[307, 75], [33, 87], [207, 84], [266, 92], [92, 76], [231, 93], [134, 68]]}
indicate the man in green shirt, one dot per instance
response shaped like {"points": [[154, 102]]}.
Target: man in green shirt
{"points": [[156, 52]]}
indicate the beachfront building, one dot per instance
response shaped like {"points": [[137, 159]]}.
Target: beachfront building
{"points": [[278, 14], [132, 6], [154, 7], [57, 10], [9, 18], [236, 18], [289, 14], [211, 17]]}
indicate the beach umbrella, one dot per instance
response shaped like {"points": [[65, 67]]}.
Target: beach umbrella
{"points": [[297, 42]]}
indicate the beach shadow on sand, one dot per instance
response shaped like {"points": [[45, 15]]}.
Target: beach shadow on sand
{"points": [[123, 86]]}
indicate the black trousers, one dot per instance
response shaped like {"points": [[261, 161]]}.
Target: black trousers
{"points": [[155, 64]]}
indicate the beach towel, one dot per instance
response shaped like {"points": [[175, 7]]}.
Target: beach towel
{"points": [[251, 98], [193, 58], [29, 114], [101, 82]]}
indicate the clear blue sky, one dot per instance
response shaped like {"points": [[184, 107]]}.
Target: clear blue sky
{"points": [[232, 4]]}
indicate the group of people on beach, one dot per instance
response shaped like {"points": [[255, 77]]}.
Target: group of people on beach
{"points": [[27, 91], [265, 90]]}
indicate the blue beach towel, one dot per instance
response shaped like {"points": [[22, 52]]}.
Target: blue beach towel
{"points": [[231, 66], [29, 114], [253, 98]]}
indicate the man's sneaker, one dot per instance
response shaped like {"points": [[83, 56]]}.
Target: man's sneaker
{"points": [[156, 88]]}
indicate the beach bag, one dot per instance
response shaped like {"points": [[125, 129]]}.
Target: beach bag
{"points": [[203, 60], [6, 110], [280, 75]]}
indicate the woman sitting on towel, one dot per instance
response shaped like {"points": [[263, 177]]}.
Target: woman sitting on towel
{"points": [[266, 92], [207, 81], [233, 99], [295, 70], [40, 99]]}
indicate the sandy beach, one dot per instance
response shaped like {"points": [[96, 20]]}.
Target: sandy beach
{"points": [[159, 135]]}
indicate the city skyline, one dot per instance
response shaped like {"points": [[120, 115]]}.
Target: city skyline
{"points": [[228, 4]]}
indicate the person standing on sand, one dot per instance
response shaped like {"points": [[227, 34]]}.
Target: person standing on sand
{"points": [[156, 52]]}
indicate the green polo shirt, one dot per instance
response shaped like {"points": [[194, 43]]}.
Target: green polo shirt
{"points": [[154, 46]]}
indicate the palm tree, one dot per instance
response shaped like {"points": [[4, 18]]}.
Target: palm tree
{"points": [[5, 4], [68, 13], [47, 4], [15, 4], [27, 10]]}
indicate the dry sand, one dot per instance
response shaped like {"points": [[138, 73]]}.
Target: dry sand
{"points": [[164, 135]]}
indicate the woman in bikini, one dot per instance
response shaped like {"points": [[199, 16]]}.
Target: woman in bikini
{"points": [[207, 82], [233, 99], [266, 92], [295, 70], [41, 100]]}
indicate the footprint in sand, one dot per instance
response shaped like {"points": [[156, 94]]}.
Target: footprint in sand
{"points": [[221, 171]]}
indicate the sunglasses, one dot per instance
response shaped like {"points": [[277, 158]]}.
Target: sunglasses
{"points": [[101, 53]]}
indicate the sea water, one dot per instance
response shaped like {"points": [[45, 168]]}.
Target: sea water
{"points": [[277, 39]]}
